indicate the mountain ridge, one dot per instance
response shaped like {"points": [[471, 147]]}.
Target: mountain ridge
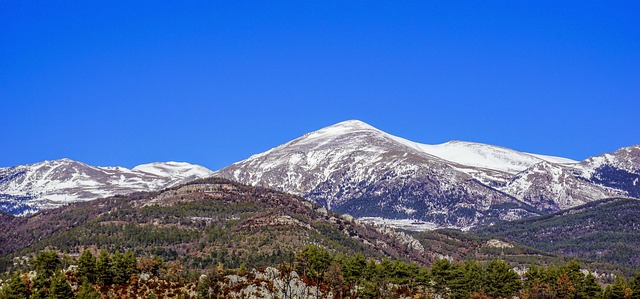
{"points": [[359, 169], [27, 188]]}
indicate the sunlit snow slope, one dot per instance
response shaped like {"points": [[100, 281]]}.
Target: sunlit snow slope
{"points": [[355, 168], [27, 188]]}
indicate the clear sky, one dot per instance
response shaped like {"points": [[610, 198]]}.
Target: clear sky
{"points": [[212, 82]]}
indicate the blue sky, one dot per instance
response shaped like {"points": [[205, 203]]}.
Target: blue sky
{"points": [[212, 82]]}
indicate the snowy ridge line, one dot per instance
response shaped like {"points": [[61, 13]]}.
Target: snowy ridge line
{"points": [[357, 169], [51, 183]]}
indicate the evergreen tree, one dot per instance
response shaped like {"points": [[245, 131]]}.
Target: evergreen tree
{"points": [[118, 268], [104, 274], [500, 280], [41, 285], [86, 291], [575, 275], [354, 267], [441, 274], [130, 263], [533, 275], [314, 260], [60, 287], [87, 266], [368, 290], [619, 288], [474, 277], [457, 282], [47, 263], [15, 287], [590, 288]]}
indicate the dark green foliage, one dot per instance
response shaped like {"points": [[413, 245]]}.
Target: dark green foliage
{"points": [[313, 261], [442, 272], [47, 262], [345, 276], [15, 288], [60, 288], [86, 291], [368, 290], [87, 266], [104, 268], [500, 280], [604, 231], [619, 289], [353, 267], [119, 269], [473, 277], [590, 288]]}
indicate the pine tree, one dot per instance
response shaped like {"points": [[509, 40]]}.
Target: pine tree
{"points": [[354, 267], [500, 280], [458, 284], [441, 275], [87, 266], [118, 268], [60, 287], [47, 263], [130, 263], [564, 287], [15, 287], [368, 290], [576, 277], [474, 276], [104, 274], [86, 291], [590, 288], [619, 288]]}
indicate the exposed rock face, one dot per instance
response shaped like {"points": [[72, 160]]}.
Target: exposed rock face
{"points": [[355, 168], [271, 284]]}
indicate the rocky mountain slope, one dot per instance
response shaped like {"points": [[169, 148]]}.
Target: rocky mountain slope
{"points": [[27, 188], [357, 169]]}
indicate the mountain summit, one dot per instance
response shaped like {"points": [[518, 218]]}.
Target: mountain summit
{"points": [[28, 188], [355, 168]]}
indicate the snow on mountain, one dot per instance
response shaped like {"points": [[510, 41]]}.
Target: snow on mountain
{"points": [[618, 170], [552, 187], [177, 172], [488, 156], [26, 188], [355, 168]]}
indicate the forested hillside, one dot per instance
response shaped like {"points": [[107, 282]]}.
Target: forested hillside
{"points": [[605, 231]]}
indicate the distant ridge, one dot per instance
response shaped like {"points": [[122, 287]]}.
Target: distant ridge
{"points": [[27, 188]]}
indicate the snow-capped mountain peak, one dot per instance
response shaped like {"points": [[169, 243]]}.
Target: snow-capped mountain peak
{"points": [[461, 152], [26, 188], [356, 168]]}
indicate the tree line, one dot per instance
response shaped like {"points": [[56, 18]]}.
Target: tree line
{"points": [[101, 274]]}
